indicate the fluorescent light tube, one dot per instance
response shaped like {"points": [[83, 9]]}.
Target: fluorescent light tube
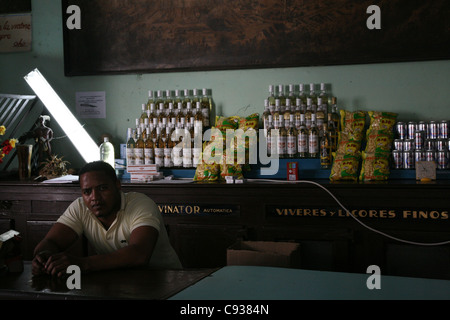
{"points": [[87, 148]]}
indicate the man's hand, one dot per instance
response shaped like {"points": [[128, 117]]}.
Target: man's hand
{"points": [[39, 261], [57, 264]]}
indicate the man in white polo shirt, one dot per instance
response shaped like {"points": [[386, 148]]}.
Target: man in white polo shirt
{"points": [[125, 229]]}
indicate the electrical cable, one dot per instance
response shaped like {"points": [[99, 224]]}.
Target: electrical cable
{"points": [[355, 218]]}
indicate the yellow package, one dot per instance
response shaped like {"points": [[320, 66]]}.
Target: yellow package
{"points": [[250, 122], [375, 166], [224, 123], [207, 172], [348, 143], [345, 167], [382, 120], [378, 141], [353, 121]]}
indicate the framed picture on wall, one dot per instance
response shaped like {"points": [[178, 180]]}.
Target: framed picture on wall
{"points": [[143, 36]]}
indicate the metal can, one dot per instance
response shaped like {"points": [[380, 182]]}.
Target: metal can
{"points": [[422, 126], [398, 144], [419, 155], [411, 129], [419, 138], [443, 129], [441, 159], [408, 160], [429, 155], [433, 130], [430, 145], [401, 129], [397, 155], [441, 144], [408, 145]]}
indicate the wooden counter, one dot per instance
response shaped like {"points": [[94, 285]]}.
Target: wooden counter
{"points": [[203, 219]]}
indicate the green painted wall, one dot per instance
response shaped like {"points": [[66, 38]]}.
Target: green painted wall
{"points": [[417, 90]]}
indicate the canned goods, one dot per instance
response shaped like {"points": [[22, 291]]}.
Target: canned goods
{"points": [[419, 138], [422, 126], [441, 144], [430, 145], [398, 159], [419, 155], [398, 144], [443, 129], [429, 155], [411, 129], [442, 159], [401, 130], [408, 160], [433, 130], [408, 145]]}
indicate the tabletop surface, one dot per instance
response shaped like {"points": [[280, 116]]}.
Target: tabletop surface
{"points": [[268, 283], [133, 283]]}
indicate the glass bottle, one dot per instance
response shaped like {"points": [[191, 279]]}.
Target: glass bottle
{"points": [[281, 96], [149, 152], [291, 149], [189, 118], [180, 114], [196, 149], [168, 146], [168, 99], [325, 148], [302, 94], [177, 150], [198, 116], [206, 105], [107, 152], [151, 99], [144, 114], [313, 138], [271, 143], [187, 147], [308, 112], [312, 94], [161, 113], [332, 133], [276, 114], [171, 117], [159, 99], [186, 99], [320, 114], [271, 98], [335, 114], [302, 138], [282, 139], [159, 148], [324, 95], [139, 147]]}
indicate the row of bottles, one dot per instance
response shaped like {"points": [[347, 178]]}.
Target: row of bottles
{"points": [[170, 129], [167, 147], [306, 128], [164, 109]]}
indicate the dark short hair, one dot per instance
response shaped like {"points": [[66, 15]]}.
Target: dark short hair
{"points": [[99, 166]]}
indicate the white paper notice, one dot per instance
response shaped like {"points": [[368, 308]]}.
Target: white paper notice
{"points": [[91, 104], [15, 32]]}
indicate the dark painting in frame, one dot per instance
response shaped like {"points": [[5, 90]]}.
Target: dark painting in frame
{"points": [[147, 36]]}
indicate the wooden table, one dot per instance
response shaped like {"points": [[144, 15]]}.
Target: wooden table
{"points": [[133, 283]]}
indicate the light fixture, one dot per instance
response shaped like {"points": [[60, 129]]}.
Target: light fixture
{"points": [[87, 148]]}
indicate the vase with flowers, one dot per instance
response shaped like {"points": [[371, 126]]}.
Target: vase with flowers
{"points": [[7, 145]]}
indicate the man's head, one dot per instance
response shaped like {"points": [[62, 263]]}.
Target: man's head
{"points": [[100, 188]]}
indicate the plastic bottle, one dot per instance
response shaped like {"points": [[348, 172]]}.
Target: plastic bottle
{"points": [[107, 151]]}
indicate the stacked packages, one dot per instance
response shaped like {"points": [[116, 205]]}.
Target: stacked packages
{"points": [[376, 155], [222, 158]]}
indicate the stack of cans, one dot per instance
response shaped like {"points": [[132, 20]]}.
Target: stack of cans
{"points": [[421, 141]]}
